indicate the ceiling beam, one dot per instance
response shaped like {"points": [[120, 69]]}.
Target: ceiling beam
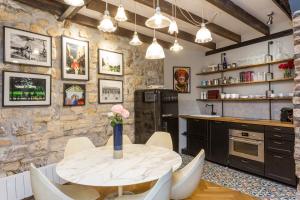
{"points": [[232, 9], [99, 6], [71, 11], [284, 7], [93, 23], [166, 7], [253, 41]]}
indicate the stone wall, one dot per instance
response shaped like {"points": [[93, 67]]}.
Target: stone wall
{"points": [[39, 134]]}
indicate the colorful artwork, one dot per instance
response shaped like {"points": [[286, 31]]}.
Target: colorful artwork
{"points": [[74, 94], [20, 89], [110, 62], [28, 48], [75, 59], [182, 79], [110, 91]]}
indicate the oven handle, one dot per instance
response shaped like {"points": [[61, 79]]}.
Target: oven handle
{"points": [[245, 141]]}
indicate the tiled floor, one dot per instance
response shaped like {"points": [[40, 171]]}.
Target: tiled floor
{"points": [[246, 183]]}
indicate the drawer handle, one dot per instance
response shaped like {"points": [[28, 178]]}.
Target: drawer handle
{"points": [[275, 156], [279, 136], [244, 125], [278, 142], [277, 129], [244, 161]]}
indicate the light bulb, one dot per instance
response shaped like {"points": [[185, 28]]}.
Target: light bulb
{"points": [[74, 2], [155, 51], [176, 47], [203, 35], [106, 25], [135, 40], [121, 15], [173, 28]]}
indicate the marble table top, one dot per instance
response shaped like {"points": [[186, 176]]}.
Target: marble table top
{"points": [[96, 167]]}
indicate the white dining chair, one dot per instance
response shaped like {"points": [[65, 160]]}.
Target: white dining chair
{"points": [[160, 191], [43, 189], [186, 180], [161, 139], [126, 140], [78, 144]]}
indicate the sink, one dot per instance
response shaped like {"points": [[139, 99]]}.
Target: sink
{"points": [[205, 116]]}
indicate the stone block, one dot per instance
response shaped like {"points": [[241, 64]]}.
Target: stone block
{"points": [[5, 142]]}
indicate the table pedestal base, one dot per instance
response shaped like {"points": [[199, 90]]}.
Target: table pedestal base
{"points": [[118, 194]]}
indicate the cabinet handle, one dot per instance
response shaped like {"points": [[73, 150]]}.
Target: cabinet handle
{"points": [[279, 136], [244, 161], [275, 156], [277, 129], [278, 142]]}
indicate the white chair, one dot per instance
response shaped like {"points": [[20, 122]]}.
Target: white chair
{"points": [[78, 144], [161, 139], [43, 189], [160, 191], [186, 180], [126, 140]]}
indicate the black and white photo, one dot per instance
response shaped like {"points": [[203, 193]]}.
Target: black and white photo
{"points": [[27, 48], [110, 91]]}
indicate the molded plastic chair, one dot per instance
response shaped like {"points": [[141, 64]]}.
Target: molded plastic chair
{"points": [[43, 189], [126, 140], [78, 144], [186, 180], [161, 139], [160, 191]]}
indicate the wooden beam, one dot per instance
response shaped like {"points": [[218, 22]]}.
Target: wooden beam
{"points": [[232, 9], [284, 7], [71, 11], [93, 23], [253, 41], [166, 8], [99, 6]]}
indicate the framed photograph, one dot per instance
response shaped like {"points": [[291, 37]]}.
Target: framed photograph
{"points": [[23, 47], [26, 89], [110, 91], [75, 59], [182, 79], [110, 62], [74, 94]]}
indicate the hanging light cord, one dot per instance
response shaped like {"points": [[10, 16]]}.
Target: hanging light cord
{"points": [[134, 16]]}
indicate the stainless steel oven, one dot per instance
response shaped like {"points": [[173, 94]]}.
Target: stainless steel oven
{"points": [[246, 144]]}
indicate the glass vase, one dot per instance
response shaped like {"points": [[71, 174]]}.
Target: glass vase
{"points": [[118, 141]]}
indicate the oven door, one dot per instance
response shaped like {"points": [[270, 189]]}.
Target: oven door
{"points": [[245, 148]]}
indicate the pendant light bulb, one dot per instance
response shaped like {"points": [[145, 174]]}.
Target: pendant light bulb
{"points": [[155, 51], [135, 41], [106, 24], [158, 20], [75, 3], [176, 47], [173, 28], [121, 15], [203, 35]]}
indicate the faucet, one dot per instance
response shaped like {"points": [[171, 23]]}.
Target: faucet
{"points": [[212, 108]]}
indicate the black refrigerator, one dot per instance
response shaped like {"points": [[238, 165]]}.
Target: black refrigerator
{"points": [[156, 110]]}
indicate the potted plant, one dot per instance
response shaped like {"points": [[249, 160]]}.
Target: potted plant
{"points": [[116, 116], [288, 69]]}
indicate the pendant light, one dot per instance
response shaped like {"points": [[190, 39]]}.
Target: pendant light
{"points": [[135, 39], [203, 35], [158, 20], [176, 46], [121, 15], [106, 24], [74, 2], [173, 28], [155, 51]]}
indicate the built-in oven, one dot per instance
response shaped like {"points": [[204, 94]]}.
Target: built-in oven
{"points": [[246, 144]]}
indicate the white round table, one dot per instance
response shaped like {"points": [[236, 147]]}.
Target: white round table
{"points": [[96, 167]]}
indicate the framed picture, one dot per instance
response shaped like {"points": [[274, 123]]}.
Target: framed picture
{"points": [[110, 62], [25, 89], [110, 91], [75, 59], [74, 94], [182, 79], [23, 47]]}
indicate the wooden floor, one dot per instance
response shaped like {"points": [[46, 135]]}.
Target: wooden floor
{"points": [[205, 191]]}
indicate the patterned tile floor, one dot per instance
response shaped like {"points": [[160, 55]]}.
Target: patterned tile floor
{"points": [[246, 183]]}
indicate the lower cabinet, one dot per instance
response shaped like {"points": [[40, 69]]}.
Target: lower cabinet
{"points": [[251, 166]]}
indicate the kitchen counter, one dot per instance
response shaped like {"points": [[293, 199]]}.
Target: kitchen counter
{"points": [[243, 121]]}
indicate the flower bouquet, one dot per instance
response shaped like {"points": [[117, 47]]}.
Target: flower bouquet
{"points": [[288, 69]]}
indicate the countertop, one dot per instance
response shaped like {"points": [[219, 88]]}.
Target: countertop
{"points": [[243, 121]]}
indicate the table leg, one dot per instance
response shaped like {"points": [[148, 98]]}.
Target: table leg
{"points": [[120, 191]]}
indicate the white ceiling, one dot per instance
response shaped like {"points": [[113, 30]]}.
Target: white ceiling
{"points": [[257, 8]]}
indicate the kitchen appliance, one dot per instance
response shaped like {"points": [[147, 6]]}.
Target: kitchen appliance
{"points": [[156, 110], [286, 115], [246, 144]]}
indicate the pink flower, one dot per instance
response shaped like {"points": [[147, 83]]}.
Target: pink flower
{"points": [[125, 113], [117, 109]]}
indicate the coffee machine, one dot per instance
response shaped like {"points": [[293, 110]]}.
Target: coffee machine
{"points": [[286, 115]]}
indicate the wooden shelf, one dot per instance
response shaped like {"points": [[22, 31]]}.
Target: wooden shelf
{"points": [[250, 99], [246, 83], [245, 67]]}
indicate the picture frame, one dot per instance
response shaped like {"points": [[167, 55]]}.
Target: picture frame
{"points": [[110, 62], [75, 59], [27, 48], [182, 79], [110, 91], [74, 94], [25, 89]]}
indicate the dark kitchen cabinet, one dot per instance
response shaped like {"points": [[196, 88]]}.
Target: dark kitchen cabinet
{"points": [[197, 136], [218, 142]]}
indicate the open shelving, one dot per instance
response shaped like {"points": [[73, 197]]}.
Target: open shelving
{"points": [[250, 99]]}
